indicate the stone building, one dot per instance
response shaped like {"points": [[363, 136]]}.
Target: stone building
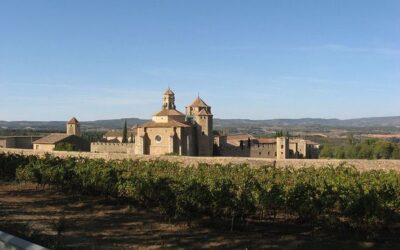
{"points": [[72, 138], [112, 147], [279, 148], [172, 132], [115, 136], [23, 142]]}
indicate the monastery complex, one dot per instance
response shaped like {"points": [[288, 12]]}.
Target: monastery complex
{"points": [[172, 132]]}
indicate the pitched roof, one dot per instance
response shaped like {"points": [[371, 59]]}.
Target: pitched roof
{"points": [[298, 140], [52, 139], [169, 112], [235, 139], [73, 121], [203, 112], [169, 92], [172, 123], [240, 137], [266, 140], [198, 103]]}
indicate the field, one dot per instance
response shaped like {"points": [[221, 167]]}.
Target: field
{"points": [[76, 202], [89, 222]]}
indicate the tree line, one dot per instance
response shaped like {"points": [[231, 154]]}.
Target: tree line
{"points": [[364, 149]]}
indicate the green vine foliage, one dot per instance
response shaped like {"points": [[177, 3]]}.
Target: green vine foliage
{"points": [[231, 192]]}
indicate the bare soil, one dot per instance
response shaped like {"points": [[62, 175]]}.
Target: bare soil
{"points": [[67, 221]]}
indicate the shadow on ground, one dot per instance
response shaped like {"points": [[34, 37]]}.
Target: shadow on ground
{"points": [[61, 221]]}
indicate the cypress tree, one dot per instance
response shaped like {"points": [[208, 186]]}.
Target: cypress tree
{"points": [[125, 134]]}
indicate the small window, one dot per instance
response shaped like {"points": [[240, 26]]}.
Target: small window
{"points": [[259, 153], [281, 146], [158, 139]]}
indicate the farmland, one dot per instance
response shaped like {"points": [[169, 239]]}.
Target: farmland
{"points": [[239, 198]]}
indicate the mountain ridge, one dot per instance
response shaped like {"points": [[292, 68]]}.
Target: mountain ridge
{"points": [[389, 121]]}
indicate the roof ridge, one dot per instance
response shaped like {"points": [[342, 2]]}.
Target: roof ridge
{"points": [[73, 120], [198, 102]]}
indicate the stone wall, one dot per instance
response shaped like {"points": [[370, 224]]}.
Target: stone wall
{"points": [[7, 143], [361, 165], [255, 151], [109, 147], [24, 142]]}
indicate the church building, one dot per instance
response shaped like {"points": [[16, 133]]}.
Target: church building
{"points": [[173, 132]]}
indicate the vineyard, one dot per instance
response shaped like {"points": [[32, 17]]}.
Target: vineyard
{"points": [[235, 193]]}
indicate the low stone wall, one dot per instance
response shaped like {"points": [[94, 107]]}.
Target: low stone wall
{"points": [[362, 165], [110, 147]]}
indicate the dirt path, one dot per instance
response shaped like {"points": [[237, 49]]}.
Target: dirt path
{"points": [[96, 223]]}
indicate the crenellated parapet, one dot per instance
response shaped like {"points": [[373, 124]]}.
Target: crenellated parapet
{"points": [[112, 147]]}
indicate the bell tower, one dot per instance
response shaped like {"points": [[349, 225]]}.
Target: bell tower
{"points": [[73, 127], [169, 100], [202, 117]]}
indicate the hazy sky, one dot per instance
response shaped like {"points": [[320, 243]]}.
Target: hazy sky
{"points": [[247, 59]]}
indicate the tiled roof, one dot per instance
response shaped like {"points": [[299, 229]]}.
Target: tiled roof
{"points": [[266, 140], [240, 137], [169, 92], [235, 139], [203, 112], [171, 123], [73, 121], [52, 139], [169, 112], [198, 103]]}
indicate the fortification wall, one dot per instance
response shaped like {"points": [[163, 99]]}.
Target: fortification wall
{"points": [[255, 151], [109, 147], [361, 165], [24, 142]]}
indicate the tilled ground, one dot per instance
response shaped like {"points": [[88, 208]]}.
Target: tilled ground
{"points": [[57, 220]]}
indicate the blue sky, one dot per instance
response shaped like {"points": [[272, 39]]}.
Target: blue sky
{"points": [[247, 59]]}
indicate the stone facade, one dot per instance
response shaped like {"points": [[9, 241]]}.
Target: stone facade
{"points": [[25, 142], [72, 138], [172, 132], [274, 148], [110, 147], [117, 135], [282, 148], [73, 127]]}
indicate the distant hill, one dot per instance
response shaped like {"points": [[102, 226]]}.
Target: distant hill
{"points": [[60, 125], [393, 121]]}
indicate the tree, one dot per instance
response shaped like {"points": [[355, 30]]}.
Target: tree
{"points": [[279, 133], [125, 134], [64, 146]]}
